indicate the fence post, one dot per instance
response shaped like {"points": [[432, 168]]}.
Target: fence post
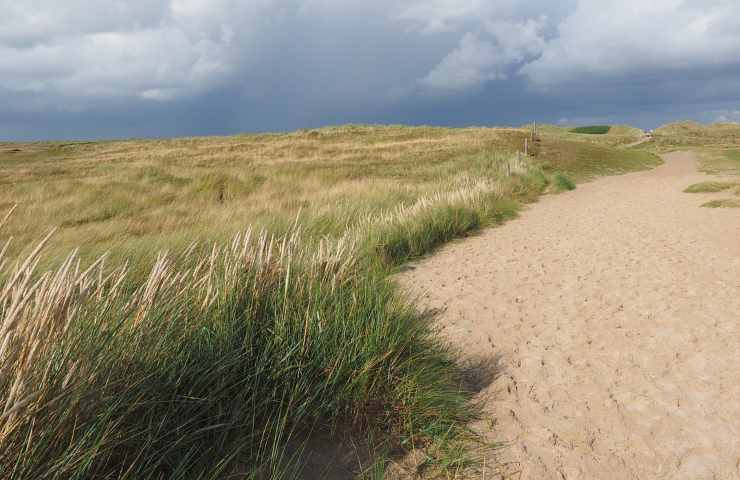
{"points": [[526, 147]]}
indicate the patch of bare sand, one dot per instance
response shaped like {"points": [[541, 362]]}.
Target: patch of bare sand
{"points": [[615, 310]]}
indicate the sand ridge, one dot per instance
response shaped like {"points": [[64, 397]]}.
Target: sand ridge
{"points": [[614, 310]]}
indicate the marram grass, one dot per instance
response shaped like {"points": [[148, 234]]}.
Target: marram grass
{"points": [[221, 360], [221, 357]]}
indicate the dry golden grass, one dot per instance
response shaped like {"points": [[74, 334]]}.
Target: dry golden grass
{"points": [[225, 352], [692, 134], [137, 197], [617, 135]]}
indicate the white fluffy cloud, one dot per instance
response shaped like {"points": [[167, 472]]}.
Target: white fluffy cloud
{"points": [[476, 60], [472, 63], [612, 39], [156, 50], [167, 49], [584, 40], [437, 16]]}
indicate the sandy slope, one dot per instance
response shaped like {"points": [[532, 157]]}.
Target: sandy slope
{"points": [[615, 310]]}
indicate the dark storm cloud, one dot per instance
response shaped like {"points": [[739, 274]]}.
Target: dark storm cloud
{"points": [[118, 68]]}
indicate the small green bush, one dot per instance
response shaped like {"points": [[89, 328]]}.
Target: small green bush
{"points": [[593, 129], [563, 183], [211, 372]]}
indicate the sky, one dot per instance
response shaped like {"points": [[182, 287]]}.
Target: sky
{"points": [[86, 69]]}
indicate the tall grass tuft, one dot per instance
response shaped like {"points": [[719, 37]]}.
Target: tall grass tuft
{"points": [[482, 198], [212, 365]]}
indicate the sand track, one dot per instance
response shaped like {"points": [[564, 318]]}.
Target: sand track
{"points": [[615, 311]]}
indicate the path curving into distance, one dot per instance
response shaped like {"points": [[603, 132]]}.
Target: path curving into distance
{"points": [[614, 311]]}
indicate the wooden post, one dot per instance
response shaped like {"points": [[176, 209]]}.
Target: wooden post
{"points": [[526, 147]]}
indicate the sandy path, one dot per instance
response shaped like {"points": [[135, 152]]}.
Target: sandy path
{"points": [[615, 310]]}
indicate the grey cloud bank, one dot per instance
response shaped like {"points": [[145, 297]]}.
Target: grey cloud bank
{"points": [[116, 68]]}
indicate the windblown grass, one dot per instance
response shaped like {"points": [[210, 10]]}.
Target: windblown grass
{"points": [[210, 367], [136, 198], [224, 357]]}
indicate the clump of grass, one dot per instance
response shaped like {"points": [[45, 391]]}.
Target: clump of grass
{"points": [[563, 183], [725, 203], [395, 242], [409, 232], [710, 187], [213, 364], [592, 129]]}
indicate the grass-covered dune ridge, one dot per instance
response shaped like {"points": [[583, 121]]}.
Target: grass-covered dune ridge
{"points": [[136, 198], [218, 358], [224, 355], [140, 197], [692, 134], [615, 135]]}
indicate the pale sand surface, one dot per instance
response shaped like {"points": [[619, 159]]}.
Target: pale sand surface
{"points": [[615, 311]]}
